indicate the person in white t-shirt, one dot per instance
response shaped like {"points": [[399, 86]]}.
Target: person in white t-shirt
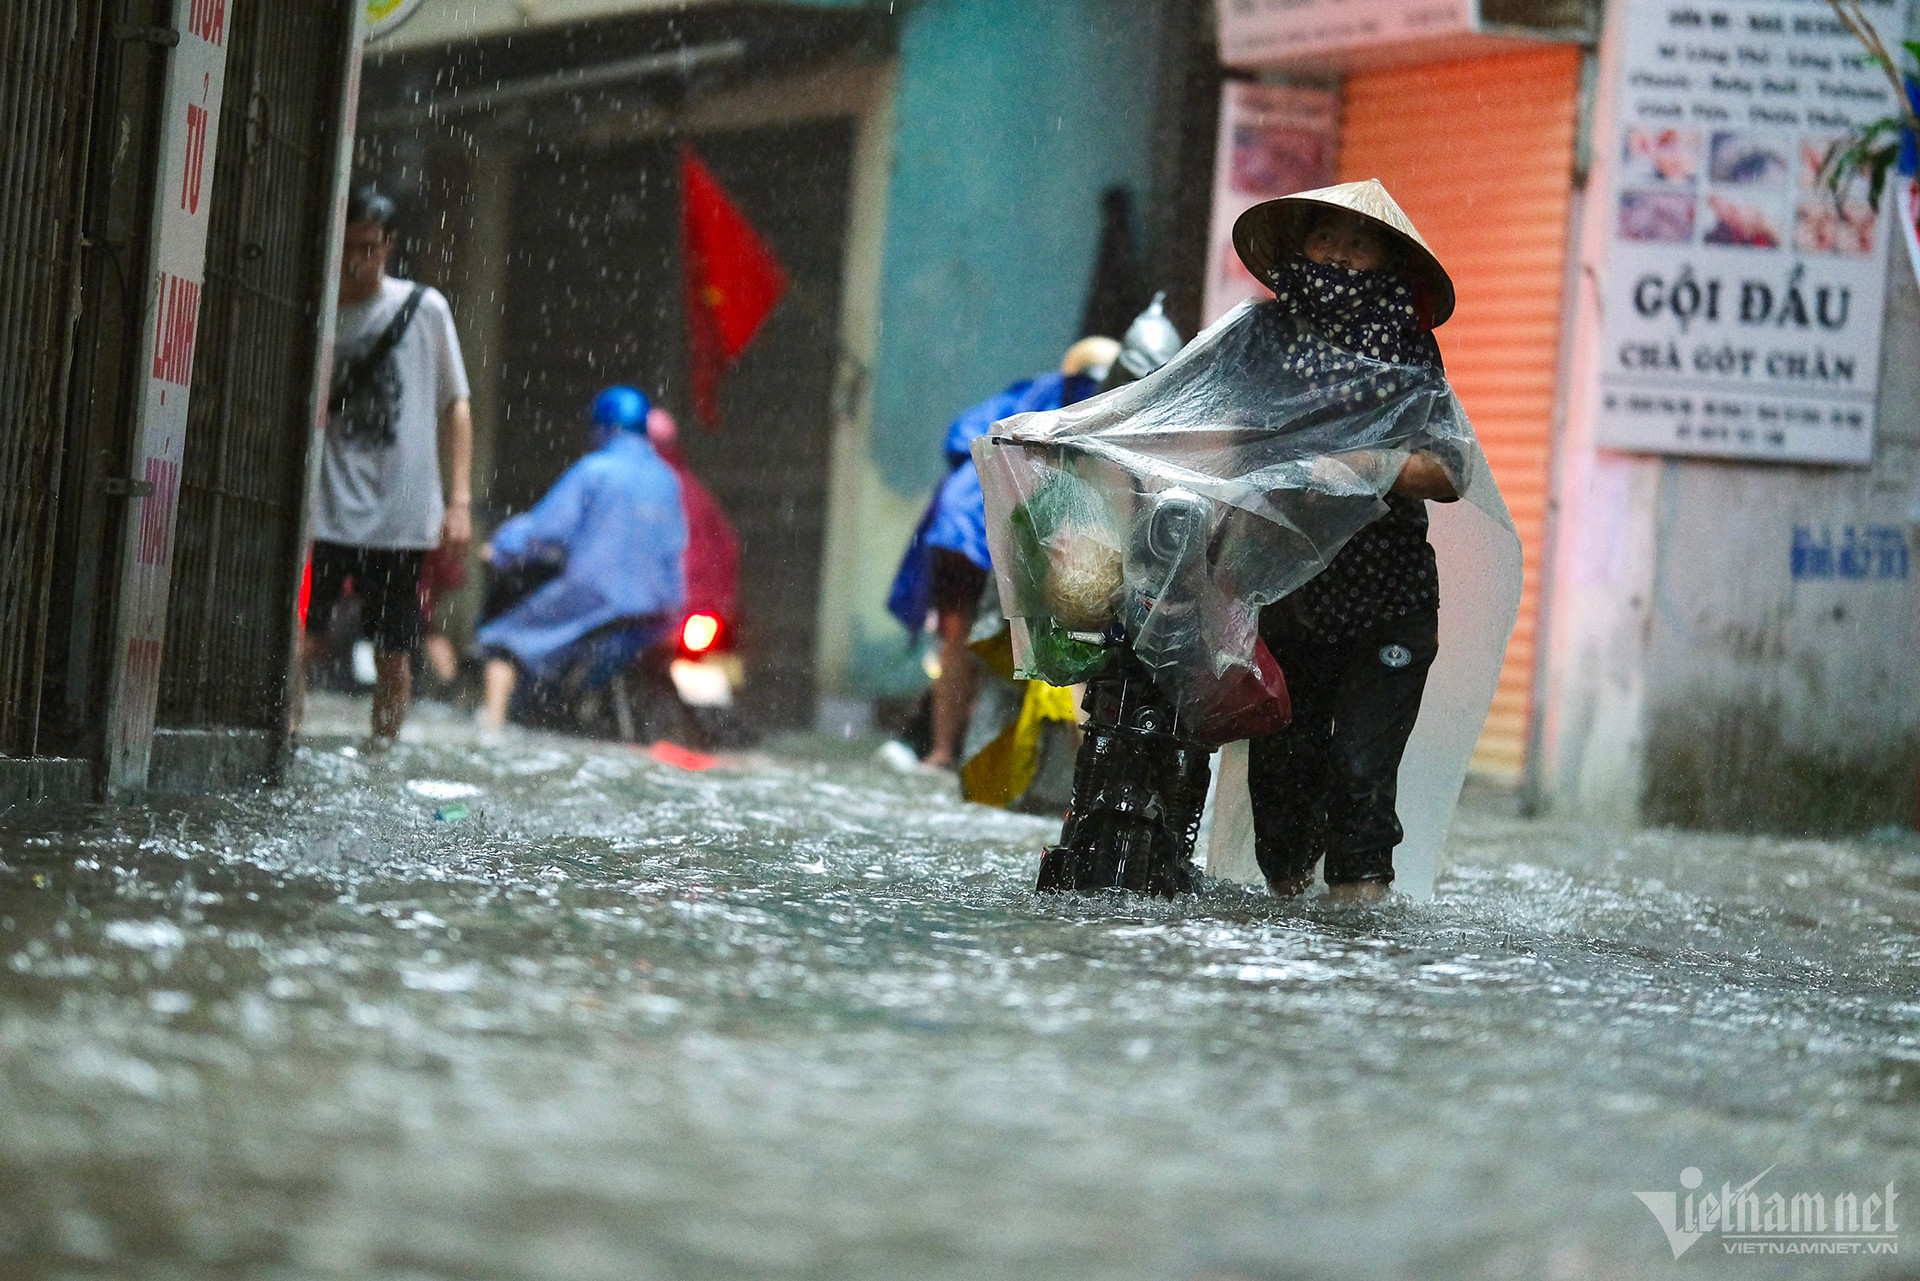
{"points": [[380, 501]]}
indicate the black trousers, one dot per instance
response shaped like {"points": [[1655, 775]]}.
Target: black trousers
{"points": [[387, 581], [1325, 786]]}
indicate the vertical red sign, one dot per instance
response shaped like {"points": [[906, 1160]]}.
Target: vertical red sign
{"points": [[208, 20], [143, 662], [175, 327], [182, 196], [196, 163], [156, 515]]}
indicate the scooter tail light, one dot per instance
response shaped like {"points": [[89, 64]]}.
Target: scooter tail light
{"points": [[699, 632]]}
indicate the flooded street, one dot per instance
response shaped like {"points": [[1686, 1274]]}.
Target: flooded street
{"points": [[797, 1016]]}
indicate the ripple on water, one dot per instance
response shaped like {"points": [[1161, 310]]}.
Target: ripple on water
{"points": [[799, 1016]]}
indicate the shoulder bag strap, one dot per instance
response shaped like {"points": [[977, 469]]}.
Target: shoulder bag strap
{"points": [[396, 330], [363, 365]]}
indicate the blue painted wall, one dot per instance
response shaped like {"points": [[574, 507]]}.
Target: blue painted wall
{"points": [[1011, 117]]}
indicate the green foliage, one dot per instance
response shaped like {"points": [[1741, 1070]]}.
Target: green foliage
{"points": [[1870, 153], [1873, 151]]}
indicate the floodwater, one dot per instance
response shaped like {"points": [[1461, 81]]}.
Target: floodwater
{"points": [[796, 1016]]}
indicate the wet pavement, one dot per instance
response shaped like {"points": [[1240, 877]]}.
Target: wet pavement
{"points": [[799, 1016]]}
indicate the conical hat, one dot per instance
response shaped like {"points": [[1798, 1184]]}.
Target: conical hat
{"points": [[1272, 230]]}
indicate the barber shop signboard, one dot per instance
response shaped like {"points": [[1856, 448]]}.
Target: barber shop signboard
{"points": [[1268, 32], [1274, 140], [1742, 297]]}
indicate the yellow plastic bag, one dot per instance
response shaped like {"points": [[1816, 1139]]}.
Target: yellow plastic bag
{"points": [[1004, 768]]}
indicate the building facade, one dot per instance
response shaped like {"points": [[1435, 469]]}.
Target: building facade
{"points": [[1729, 636], [1719, 609], [931, 175], [1706, 637], [170, 202]]}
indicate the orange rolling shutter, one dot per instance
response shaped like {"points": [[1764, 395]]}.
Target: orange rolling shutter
{"points": [[1480, 155]]}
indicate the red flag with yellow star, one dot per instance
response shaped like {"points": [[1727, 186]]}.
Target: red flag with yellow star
{"points": [[733, 281]]}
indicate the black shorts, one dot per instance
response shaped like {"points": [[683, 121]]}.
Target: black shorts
{"points": [[386, 581], [957, 583]]}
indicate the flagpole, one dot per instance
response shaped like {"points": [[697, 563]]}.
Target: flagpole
{"points": [[862, 372]]}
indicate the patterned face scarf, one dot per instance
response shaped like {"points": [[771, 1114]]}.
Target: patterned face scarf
{"points": [[1370, 313], [1387, 570]]}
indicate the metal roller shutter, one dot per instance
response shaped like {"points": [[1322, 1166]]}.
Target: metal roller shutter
{"points": [[241, 494], [47, 52], [1480, 155]]}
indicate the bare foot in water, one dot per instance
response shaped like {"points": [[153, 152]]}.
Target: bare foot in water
{"points": [[1291, 886]]}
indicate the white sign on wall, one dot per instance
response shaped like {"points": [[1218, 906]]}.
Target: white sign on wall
{"points": [[182, 201], [1260, 32], [1274, 140], [1741, 299]]}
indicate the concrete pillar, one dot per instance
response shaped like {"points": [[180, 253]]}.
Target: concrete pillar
{"points": [[856, 566], [479, 307]]}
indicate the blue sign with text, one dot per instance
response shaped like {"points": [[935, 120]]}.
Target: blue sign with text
{"points": [[1861, 552]]}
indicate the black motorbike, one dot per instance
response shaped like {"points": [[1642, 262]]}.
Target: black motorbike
{"points": [[1140, 779]]}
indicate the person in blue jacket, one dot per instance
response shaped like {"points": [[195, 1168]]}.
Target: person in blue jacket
{"points": [[946, 565], [615, 525]]}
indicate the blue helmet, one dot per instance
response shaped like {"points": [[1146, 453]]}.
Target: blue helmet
{"points": [[621, 409]]}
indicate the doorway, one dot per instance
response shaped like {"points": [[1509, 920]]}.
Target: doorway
{"points": [[593, 298]]}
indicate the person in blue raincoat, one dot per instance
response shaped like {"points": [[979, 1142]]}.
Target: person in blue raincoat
{"points": [[615, 525], [911, 594], [946, 565]]}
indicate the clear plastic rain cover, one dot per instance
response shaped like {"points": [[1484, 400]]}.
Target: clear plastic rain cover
{"points": [[1170, 510]]}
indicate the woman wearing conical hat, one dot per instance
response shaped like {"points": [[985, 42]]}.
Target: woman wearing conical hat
{"points": [[1355, 641], [1306, 436]]}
